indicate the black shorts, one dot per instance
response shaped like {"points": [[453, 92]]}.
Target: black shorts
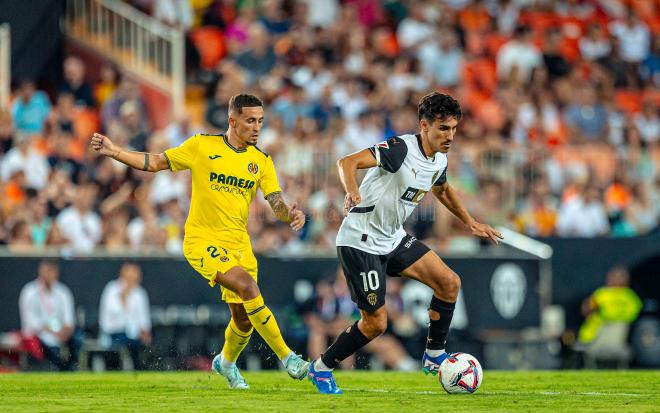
{"points": [[365, 273]]}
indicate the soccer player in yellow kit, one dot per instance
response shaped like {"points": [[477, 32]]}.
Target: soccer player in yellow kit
{"points": [[226, 171]]}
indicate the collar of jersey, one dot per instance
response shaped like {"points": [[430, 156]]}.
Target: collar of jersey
{"points": [[233, 148], [421, 148]]}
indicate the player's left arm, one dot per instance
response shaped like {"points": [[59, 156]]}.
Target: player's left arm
{"points": [[449, 198], [285, 213]]}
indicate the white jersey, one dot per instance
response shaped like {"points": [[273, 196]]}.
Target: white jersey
{"points": [[390, 193]]}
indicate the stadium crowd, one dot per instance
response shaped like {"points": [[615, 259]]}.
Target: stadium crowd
{"points": [[560, 135]]}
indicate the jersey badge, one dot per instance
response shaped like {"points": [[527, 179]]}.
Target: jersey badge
{"points": [[253, 168]]}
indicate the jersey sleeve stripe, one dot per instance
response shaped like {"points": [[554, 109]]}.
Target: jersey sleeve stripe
{"points": [[167, 158], [376, 153]]}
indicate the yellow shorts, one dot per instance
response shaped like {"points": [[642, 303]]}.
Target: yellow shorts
{"points": [[208, 258]]}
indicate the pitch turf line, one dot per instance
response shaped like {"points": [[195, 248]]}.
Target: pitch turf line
{"points": [[368, 392], [484, 393]]}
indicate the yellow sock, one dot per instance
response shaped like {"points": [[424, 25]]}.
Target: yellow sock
{"points": [[235, 341], [264, 322]]}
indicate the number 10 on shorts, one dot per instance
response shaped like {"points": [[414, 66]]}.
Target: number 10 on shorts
{"points": [[370, 280]]}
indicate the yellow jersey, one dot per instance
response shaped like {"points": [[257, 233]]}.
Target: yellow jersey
{"points": [[224, 182]]}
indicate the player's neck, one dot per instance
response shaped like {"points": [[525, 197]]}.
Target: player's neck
{"points": [[235, 141], [426, 148]]}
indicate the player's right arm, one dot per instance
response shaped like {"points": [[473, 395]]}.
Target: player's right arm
{"points": [[348, 166], [144, 161]]}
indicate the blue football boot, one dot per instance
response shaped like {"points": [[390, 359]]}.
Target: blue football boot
{"points": [[432, 364], [323, 380]]}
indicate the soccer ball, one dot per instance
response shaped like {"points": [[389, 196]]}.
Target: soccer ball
{"points": [[461, 373]]}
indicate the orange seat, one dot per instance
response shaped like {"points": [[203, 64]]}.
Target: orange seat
{"points": [[85, 123], [481, 73], [628, 101], [210, 43]]}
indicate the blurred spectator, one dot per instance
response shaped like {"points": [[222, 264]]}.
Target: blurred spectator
{"points": [[650, 67], [595, 44], [124, 312], [127, 91], [521, 53], [47, 312], [30, 108], [634, 36], [130, 119], [74, 82], [217, 108], [79, 224], [60, 157], [587, 117], [443, 59], [555, 63], [414, 30], [259, 59], [62, 117], [616, 302], [508, 12], [322, 13], [105, 88], [583, 215], [180, 129], [20, 239], [647, 123], [25, 158], [6, 131], [176, 13], [292, 107], [274, 17]]}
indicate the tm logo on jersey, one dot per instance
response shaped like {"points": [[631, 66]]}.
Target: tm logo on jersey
{"points": [[413, 195]]}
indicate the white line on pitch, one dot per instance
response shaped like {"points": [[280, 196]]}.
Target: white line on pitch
{"points": [[512, 393]]}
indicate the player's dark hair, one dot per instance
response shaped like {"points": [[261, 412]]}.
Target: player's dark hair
{"points": [[238, 102], [49, 262], [437, 105]]}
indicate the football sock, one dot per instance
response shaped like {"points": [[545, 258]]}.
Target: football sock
{"points": [[235, 342], [434, 353], [347, 343], [320, 365], [438, 329], [263, 321]]}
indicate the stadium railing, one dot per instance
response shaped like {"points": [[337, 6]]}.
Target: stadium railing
{"points": [[143, 45], [5, 64]]}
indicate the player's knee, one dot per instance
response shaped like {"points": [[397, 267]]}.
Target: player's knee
{"points": [[446, 286], [452, 284], [247, 288]]}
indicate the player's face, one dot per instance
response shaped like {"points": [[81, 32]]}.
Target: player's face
{"points": [[440, 133], [247, 124]]}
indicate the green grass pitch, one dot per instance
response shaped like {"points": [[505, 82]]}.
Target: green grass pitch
{"points": [[375, 392]]}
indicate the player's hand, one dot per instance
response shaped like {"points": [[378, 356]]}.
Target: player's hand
{"points": [[297, 217], [485, 231], [103, 145], [350, 200]]}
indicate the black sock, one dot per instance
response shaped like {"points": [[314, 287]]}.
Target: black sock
{"points": [[347, 343], [438, 329]]}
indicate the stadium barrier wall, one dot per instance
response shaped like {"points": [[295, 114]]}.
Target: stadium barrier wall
{"points": [[498, 292], [579, 267]]}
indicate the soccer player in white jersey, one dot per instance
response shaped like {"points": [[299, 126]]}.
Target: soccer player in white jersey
{"points": [[371, 242]]}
